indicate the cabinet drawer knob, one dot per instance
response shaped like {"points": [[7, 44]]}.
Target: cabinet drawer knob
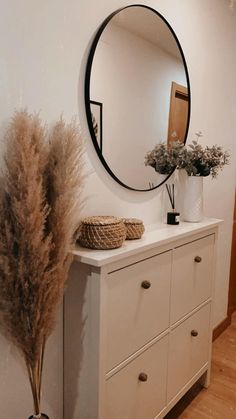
{"points": [[194, 333], [198, 259], [143, 377], [146, 285]]}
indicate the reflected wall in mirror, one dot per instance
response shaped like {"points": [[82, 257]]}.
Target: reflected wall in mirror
{"points": [[137, 72]]}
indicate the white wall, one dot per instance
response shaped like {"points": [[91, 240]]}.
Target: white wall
{"points": [[43, 49], [132, 77]]}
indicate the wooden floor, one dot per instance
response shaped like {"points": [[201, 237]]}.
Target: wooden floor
{"points": [[219, 400]]}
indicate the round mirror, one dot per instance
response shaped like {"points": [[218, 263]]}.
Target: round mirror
{"points": [[137, 93]]}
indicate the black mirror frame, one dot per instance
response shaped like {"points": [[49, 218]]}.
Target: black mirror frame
{"points": [[87, 91]]}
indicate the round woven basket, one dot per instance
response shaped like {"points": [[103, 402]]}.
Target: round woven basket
{"points": [[134, 228], [101, 232]]}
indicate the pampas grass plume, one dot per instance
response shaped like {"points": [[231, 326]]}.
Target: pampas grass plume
{"points": [[40, 193]]}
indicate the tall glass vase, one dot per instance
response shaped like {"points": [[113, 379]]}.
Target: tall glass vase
{"points": [[193, 199]]}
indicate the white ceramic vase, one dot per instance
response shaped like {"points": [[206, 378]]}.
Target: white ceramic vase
{"points": [[192, 210]]}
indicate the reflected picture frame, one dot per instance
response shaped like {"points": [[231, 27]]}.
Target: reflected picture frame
{"points": [[97, 121]]}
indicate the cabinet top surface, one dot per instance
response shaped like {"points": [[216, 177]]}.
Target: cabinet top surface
{"points": [[154, 236]]}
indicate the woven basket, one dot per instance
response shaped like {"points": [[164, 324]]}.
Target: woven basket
{"points": [[134, 228], [101, 232]]}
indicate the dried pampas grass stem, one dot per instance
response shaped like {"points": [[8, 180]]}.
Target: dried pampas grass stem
{"points": [[39, 211]]}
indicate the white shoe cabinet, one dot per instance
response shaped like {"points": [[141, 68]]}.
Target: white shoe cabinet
{"points": [[138, 323]]}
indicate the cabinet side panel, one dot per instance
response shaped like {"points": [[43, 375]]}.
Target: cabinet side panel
{"points": [[80, 343]]}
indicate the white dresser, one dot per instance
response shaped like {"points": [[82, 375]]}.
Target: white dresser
{"points": [[138, 326]]}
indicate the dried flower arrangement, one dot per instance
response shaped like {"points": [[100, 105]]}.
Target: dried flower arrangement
{"points": [[163, 157], [194, 158], [200, 161], [40, 202]]}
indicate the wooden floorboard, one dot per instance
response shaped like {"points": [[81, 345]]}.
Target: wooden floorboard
{"points": [[219, 400]]}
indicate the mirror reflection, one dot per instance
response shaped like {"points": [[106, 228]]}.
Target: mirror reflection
{"points": [[138, 93]]}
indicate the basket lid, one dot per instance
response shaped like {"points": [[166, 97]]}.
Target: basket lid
{"points": [[101, 220], [133, 221]]}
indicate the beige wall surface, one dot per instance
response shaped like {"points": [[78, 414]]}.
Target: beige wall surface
{"points": [[43, 51]]}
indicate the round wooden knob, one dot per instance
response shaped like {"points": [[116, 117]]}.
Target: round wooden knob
{"points": [[143, 377], [198, 259], [194, 333], [146, 285]]}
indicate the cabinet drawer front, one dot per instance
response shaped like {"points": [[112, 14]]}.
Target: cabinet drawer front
{"points": [[138, 306], [129, 398], [189, 349], [192, 276]]}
